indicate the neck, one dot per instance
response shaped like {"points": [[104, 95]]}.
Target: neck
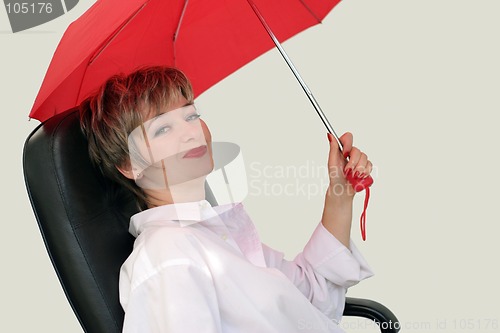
{"points": [[193, 190]]}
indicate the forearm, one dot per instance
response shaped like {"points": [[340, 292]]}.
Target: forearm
{"points": [[337, 216]]}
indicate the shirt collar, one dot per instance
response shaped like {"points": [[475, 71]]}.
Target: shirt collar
{"points": [[186, 213]]}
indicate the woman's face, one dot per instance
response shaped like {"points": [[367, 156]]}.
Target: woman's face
{"points": [[171, 148]]}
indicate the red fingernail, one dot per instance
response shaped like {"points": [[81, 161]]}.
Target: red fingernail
{"points": [[346, 154], [329, 136]]}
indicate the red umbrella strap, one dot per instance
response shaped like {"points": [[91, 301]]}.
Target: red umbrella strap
{"points": [[362, 220]]}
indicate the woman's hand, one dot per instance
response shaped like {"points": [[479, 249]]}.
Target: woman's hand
{"points": [[338, 167], [337, 212]]}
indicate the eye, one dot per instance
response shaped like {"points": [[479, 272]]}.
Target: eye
{"points": [[193, 117], [162, 130]]}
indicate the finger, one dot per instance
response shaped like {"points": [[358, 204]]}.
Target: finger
{"points": [[369, 168], [333, 143], [360, 168], [354, 157], [334, 156], [346, 139]]}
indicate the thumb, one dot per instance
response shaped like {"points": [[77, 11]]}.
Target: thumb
{"points": [[334, 155]]}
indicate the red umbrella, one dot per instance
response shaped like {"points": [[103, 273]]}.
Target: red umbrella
{"points": [[208, 40]]}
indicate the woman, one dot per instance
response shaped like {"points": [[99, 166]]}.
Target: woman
{"points": [[197, 268]]}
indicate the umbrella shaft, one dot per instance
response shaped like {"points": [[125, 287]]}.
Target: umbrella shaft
{"points": [[295, 72]]}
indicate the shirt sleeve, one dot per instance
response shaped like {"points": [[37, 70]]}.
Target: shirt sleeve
{"points": [[323, 271], [178, 298]]}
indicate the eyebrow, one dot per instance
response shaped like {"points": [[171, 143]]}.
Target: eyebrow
{"points": [[161, 114]]}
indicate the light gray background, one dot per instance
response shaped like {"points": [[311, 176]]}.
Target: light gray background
{"points": [[417, 82]]}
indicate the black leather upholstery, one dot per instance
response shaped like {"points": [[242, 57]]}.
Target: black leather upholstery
{"points": [[83, 218]]}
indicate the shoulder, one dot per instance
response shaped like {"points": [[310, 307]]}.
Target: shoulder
{"points": [[163, 242]]}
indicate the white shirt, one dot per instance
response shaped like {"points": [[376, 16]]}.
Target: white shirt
{"points": [[197, 268]]}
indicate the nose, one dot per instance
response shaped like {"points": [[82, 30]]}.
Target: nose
{"points": [[190, 131]]}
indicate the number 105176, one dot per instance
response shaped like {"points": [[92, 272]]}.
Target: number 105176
{"points": [[32, 8]]}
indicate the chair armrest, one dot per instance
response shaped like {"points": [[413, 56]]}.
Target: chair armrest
{"points": [[382, 316]]}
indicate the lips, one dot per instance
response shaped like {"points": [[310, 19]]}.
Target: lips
{"points": [[196, 152]]}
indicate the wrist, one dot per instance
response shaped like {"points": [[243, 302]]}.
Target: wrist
{"points": [[340, 194], [337, 216]]}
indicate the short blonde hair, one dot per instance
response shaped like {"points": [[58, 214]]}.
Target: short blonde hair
{"points": [[121, 104]]}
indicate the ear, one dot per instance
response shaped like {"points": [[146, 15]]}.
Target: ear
{"points": [[126, 170]]}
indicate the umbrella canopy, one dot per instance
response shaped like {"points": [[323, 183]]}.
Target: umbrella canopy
{"points": [[207, 40]]}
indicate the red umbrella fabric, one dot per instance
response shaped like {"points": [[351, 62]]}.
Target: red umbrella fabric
{"points": [[207, 40]]}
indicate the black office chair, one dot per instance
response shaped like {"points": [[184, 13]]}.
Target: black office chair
{"points": [[83, 218]]}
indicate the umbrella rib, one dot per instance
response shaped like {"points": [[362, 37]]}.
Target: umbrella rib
{"points": [[176, 34], [116, 34], [297, 75], [104, 47], [310, 11]]}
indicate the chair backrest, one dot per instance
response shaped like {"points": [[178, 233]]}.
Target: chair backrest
{"points": [[83, 218]]}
